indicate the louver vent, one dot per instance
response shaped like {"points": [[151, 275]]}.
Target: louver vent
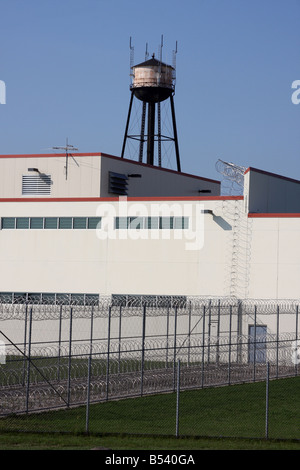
{"points": [[38, 185], [118, 183]]}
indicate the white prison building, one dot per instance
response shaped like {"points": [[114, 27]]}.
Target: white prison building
{"points": [[113, 226], [94, 225]]}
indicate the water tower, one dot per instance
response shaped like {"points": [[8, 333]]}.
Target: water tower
{"points": [[152, 83]]}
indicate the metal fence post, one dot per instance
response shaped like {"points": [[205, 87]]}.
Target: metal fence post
{"points": [[203, 346], [218, 333], [177, 398], [239, 332], [189, 334], [70, 355], [108, 352], [296, 337], [277, 343], [143, 349], [87, 419], [29, 361], [59, 342], [25, 343], [120, 339], [175, 345], [209, 332], [229, 350], [167, 337], [254, 345], [267, 401]]}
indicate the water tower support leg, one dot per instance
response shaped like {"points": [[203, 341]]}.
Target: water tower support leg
{"points": [[142, 133], [150, 138], [127, 125], [159, 133], [175, 134]]}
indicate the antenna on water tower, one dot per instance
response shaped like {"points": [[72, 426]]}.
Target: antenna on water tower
{"points": [[146, 52], [152, 83]]}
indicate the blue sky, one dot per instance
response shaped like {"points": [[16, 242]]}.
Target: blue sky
{"points": [[65, 64]]}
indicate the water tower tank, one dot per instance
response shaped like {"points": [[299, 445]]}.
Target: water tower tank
{"points": [[153, 81]]}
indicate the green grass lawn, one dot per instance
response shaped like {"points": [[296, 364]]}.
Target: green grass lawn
{"points": [[209, 418], [47, 441]]}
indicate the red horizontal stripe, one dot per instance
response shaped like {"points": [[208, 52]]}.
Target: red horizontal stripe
{"points": [[115, 199], [47, 155], [274, 215]]}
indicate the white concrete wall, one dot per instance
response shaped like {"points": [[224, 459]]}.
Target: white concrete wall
{"points": [[78, 261], [275, 258], [255, 257], [83, 179], [88, 176]]}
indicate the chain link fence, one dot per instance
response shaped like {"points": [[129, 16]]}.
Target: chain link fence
{"points": [[179, 355]]}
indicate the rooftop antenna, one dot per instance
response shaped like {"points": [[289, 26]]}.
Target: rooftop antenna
{"points": [[67, 149]]}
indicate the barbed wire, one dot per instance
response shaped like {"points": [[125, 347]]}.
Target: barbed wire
{"points": [[137, 306], [233, 177], [125, 379]]}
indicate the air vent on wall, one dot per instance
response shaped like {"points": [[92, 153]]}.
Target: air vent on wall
{"points": [[36, 185], [118, 183]]}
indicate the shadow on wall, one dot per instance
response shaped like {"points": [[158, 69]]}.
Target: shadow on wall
{"points": [[222, 222]]}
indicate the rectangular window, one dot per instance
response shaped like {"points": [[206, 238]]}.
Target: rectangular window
{"points": [[19, 297], [63, 299], [151, 300], [166, 222], [181, 222], [65, 222], [79, 222], [77, 299], [34, 298], [22, 222], [135, 222], [50, 222], [152, 223], [94, 222], [121, 223], [36, 222], [186, 222], [91, 299], [48, 299], [6, 297], [8, 222]]}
